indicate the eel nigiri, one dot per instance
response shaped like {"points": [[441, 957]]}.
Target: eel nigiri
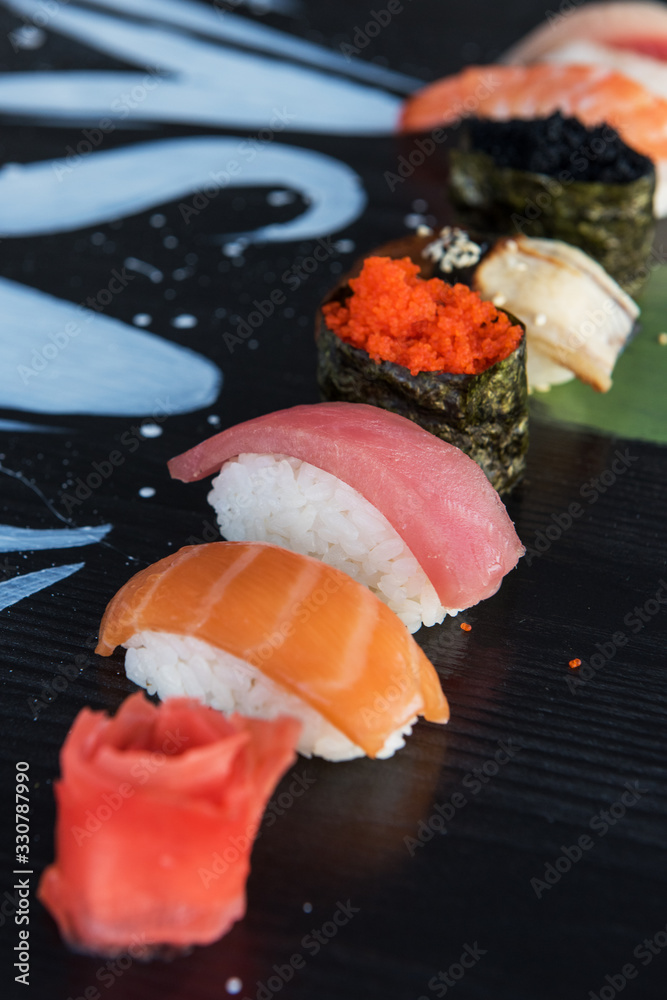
{"points": [[254, 628], [158, 808], [578, 319], [368, 491], [589, 93]]}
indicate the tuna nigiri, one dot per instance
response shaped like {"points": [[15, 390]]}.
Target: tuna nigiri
{"points": [[589, 93], [255, 628], [369, 492]]}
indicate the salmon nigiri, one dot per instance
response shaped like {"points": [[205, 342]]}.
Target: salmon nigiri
{"points": [[254, 628], [592, 94]]}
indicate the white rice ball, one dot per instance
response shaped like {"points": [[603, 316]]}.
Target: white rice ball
{"points": [[181, 666], [280, 499]]}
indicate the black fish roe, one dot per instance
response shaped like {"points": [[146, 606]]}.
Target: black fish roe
{"points": [[556, 144]]}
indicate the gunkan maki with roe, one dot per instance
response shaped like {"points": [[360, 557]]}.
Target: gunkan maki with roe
{"points": [[577, 318], [554, 177], [433, 352]]}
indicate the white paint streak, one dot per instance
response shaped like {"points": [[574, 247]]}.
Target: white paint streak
{"points": [[21, 427], [45, 197], [204, 83], [36, 539], [19, 587], [228, 27], [57, 357]]}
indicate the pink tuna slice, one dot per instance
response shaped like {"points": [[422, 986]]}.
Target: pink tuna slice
{"points": [[436, 498]]}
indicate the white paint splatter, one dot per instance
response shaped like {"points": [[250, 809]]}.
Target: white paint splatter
{"points": [[33, 201], [36, 539], [234, 985], [150, 430], [146, 492], [278, 198], [14, 590], [142, 319], [184, 322], [57, 357], [153, 273], [213, 419]]}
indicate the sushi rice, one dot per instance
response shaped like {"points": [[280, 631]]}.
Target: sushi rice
{"points": [[181, 666], [280, 499]]}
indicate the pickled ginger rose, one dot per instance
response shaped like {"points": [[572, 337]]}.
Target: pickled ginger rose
{"points": [[150, 803]]}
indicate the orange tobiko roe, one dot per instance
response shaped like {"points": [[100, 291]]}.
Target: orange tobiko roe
{"points": [[424, 325]]}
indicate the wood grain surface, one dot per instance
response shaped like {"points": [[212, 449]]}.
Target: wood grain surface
{"points": [[442, 851]]}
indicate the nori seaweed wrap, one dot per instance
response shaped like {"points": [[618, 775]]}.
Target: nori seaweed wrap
{"points": [[555, 178], [485, 415]]}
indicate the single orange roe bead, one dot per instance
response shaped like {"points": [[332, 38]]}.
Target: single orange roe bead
{"points": [[466, 627], [426, 326], [575, 663]]}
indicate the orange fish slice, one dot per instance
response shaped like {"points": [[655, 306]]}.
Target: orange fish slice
{"points": [[308, 627]]}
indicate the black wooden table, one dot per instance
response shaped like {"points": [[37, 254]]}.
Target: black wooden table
{"points": [[518, 853]]}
